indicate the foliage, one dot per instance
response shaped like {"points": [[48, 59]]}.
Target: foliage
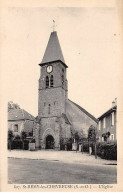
{"points": [[62, 145], [17, 143], [79, 136], [26, 144], [32, 140], [31, 134], [66, 142], [23, 138], [92, 133], [107, 150], [10, 135], [12, 105], [23, 135], [17, 137], [85, 147], [10, 139], [76, 136], [106, 136]]}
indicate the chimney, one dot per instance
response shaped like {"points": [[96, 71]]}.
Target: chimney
{"points": [[113, 103]]}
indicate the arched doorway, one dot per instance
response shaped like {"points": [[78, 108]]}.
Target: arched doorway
{"points": [[49, 142]]}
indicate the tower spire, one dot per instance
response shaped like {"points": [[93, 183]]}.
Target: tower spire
{"points": [[53, 50]]}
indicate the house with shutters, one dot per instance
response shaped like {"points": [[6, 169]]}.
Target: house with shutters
{"points": [[107, 124], [20, 120]]}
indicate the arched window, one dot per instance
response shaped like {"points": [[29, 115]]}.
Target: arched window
{"points": [[51, 81], [47, 81]]}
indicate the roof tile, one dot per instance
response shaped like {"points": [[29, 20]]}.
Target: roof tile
{"points": [[19, 114]]}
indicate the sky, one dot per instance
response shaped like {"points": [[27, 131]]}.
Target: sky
{"points": [[90, 40]]}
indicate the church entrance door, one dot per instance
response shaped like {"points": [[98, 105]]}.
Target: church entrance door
{"points": [[49, 142]]}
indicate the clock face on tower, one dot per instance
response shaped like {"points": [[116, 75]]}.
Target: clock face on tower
{"points": [[49, 69]]}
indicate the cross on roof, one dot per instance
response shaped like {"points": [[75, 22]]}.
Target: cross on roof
{"points": [[53, 25]]}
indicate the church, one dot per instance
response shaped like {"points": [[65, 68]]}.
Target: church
{"points": [[58, 117]]}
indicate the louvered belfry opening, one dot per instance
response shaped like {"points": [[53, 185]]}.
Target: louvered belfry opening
{"points": [[51, 81], [47, 82]]}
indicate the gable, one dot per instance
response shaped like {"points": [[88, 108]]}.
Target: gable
{"points": [[77, 112], [80, 119]]}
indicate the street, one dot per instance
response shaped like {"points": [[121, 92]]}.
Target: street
{"points": [[40, 171]]}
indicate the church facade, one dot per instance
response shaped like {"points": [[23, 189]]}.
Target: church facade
{"points": [[57, 117]]}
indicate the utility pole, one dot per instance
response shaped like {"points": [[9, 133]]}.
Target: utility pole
{"points": [[92, 139]]}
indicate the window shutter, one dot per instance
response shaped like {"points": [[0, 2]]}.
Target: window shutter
{"points": [[112, 121]]}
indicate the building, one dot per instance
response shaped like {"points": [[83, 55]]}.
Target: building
{"points": [[20, 120], [107, 124], [58, 117]]}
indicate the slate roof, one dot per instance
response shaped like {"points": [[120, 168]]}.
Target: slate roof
{"points": [[83, 110], [107, 112], [53, 50], [19, 114]]}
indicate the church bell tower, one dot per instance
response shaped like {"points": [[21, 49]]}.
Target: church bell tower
{"points": [[52, 94]]}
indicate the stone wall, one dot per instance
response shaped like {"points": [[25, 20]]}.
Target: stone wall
{"points": [[20, 124], [57, 72], [49, 126], [23, 125], [36, 135], [54, 126], [51, 104], [56, 98]]}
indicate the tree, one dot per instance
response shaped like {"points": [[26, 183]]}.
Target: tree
{"points": [[23, 137], [12, 105], [10, 138], [79, 136], [106, 136], [92, 137], [76, 137], [92, 133], [72, 130], [82, 138]]}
